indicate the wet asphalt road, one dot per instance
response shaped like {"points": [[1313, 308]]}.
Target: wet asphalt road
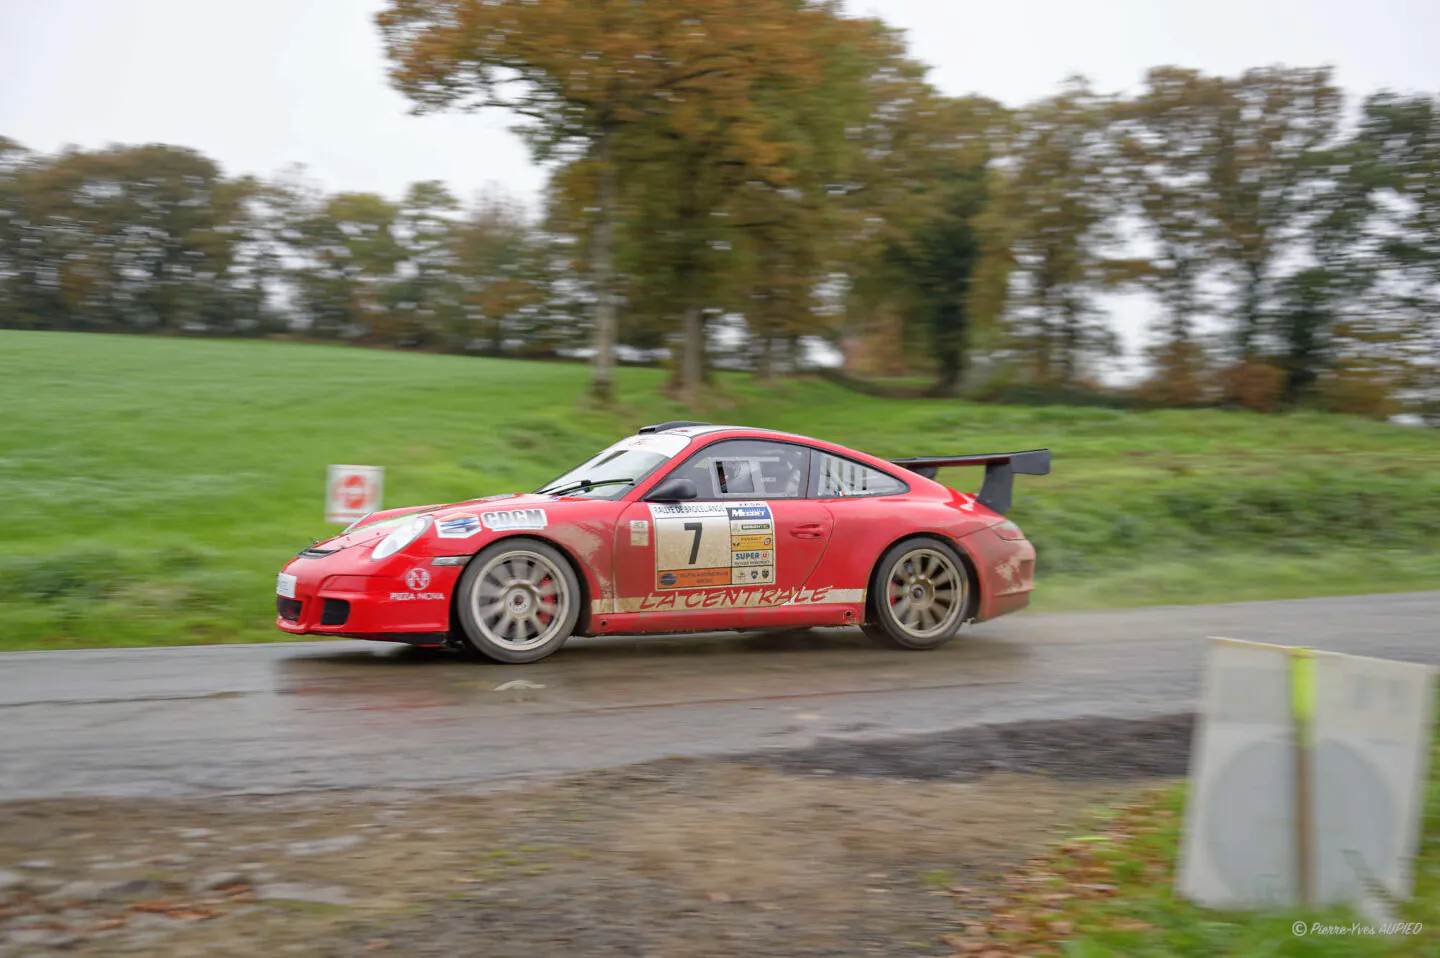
{"points": [[290, 717]]}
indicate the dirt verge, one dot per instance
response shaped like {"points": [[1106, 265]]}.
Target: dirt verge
{"points": [[1092, 749], [833, 850]]}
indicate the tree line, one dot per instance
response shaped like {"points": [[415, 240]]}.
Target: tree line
{"points": [[732, 179]]}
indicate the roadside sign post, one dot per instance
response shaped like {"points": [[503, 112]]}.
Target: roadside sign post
{"points": [[1302, 715], [353, 492], [1307, 779]]}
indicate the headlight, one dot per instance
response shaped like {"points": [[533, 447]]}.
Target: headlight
{"points": [[400, 538]]}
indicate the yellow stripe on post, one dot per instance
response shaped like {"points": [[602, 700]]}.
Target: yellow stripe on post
{"points": [[1302, 691], [1302, 712]]}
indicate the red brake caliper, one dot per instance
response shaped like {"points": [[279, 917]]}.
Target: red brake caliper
{"points": [[541, 614]]}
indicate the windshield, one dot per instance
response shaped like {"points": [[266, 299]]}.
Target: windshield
{"points": [[617, 470]]}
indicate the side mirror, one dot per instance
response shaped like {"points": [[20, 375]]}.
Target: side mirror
{"points": [[677, 489]]}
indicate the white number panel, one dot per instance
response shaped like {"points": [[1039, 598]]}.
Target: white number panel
{"points": [[706, 544]]}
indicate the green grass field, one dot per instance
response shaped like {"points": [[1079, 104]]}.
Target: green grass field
{"points": [[150, 488]]}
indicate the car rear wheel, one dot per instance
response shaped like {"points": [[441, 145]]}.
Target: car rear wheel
{"points": [[518, 601], [920, 595]]}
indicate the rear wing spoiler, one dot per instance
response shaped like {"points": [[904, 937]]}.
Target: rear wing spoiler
{"points": [[1000, 471]]}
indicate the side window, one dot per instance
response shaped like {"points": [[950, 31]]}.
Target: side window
{"points": [[837, 478], [748, 469]]}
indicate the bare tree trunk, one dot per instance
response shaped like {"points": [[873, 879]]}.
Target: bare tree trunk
{"points": [[602, 385], [497, 337], [692, 365], [1043, 345], [766, 358], [949, 345], [1182, 302], [1069, 344], [1250, 305], [786, 353]]}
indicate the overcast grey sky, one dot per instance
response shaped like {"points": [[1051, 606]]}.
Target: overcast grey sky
{"points": [[261, 84], [264, 83]]}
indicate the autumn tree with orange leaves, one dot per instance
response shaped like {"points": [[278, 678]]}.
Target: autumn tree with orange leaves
{"points": [[583, 75]]}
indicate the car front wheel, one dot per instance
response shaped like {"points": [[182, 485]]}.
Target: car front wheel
{"points": [[518, 601], [921, 594]]}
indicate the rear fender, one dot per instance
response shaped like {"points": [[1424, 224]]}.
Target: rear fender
{"points": [[965, 560]]}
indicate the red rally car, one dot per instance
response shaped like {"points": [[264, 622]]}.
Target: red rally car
{"points": [[684, 527]]}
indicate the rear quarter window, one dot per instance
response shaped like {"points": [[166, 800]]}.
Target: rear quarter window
{"points": [[839, 478]]}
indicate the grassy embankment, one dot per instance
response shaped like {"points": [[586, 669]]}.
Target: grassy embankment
{"points": [[1110, 893], [149, 488]]}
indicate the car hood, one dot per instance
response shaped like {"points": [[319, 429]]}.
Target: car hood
{"points": [[380, 524]]}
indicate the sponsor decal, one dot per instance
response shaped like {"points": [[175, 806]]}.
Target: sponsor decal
{"points": [[457, 525], [417, 579], [285, 585], [752, 558], [694, 578], [639, 532], [665, 510], [749, 512], [510, 519], [667, 444], [414, 596], [740, 598], [753, 527], [747, 543]]}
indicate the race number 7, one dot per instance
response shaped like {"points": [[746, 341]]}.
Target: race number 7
{"points": [[697, 528]]}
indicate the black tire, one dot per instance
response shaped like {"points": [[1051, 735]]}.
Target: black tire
{"points": [[512, 589], [920, 595]]}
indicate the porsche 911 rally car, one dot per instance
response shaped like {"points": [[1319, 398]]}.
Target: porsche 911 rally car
{"points": [[683, 527]]}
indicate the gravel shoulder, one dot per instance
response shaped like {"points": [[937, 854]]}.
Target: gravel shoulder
{"points": [[854, 847]]}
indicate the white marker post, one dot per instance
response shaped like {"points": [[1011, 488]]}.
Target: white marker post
{"points": [[353, 492], [1307, 779]]}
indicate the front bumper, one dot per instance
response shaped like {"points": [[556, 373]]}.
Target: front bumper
{"points": [[347, 595]]}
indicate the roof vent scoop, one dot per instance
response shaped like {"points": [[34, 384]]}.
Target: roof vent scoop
{"points": [[667, 426]]}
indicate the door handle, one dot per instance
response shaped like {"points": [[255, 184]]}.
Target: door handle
{"points": [[808, 530]]}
